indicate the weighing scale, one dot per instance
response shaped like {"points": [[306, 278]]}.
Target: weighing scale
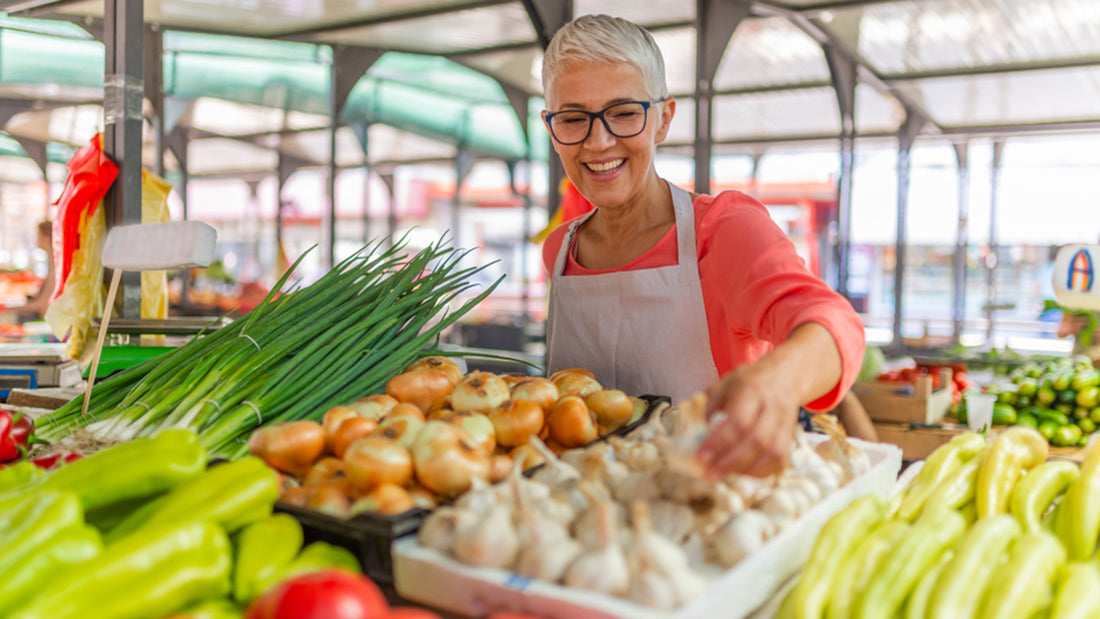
{"points": [[34, 365]]}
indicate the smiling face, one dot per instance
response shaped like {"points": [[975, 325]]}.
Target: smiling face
{"points": [[609, 171]]}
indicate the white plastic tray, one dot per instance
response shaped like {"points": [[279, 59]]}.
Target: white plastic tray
{"points": [[429, 577]]}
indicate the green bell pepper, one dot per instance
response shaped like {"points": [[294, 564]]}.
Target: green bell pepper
{"points": [[233, 494], [1021, 586], [34, 574], [933, 534], [1077, 595], [263, 549], [32, 523], [128, 470], [151, 573], [959, 591]]}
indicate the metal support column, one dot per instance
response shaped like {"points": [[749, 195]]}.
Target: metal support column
{"points": [[906, 136], [154, 90], [842, 71], [286, 166], [349, 64], [391, 212], [123, 95], [994, 240], [715, 22], [362, 135], [958, 298]]}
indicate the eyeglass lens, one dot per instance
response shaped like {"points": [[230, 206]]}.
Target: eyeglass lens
{"points": [[624, 120]]}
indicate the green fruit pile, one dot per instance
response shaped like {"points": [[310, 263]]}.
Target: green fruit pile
{"points": [[1060, 398]]}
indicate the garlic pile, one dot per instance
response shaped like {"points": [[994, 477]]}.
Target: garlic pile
{"points": [[629, 517]]}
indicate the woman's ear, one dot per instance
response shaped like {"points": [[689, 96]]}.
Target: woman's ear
{"points": [[668, 110]]}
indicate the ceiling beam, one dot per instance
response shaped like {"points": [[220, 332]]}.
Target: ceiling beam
{"points": [[431, 11]]}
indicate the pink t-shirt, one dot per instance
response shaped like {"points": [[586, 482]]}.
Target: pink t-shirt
{"points": [[756, 288]]}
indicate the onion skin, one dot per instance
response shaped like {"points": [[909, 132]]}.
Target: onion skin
{"points": [[612, 407], [572, 383], [516, 421], [436, 362], [330, 497], [447, 460], [539, 390], [422, 497], [422, 388], [387, 499], [479, 392], [478, 426], [404, 409], [350, 431], [571, 423], [513, 379], [298, 497], [372, 461], [290, 447], [374, 406]]}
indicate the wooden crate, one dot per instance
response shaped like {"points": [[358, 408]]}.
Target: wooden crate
{"points": [[906, 403], [916, 442]]}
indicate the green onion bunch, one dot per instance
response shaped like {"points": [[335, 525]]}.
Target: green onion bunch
{"points": [[294, 356]]}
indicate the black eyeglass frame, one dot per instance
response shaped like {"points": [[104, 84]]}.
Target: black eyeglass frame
{"points": [[592, 116]]}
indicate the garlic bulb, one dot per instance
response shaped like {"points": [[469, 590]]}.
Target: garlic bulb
{"points": [[546, 550], [742, 535], [850, 458], [672, 520], [635, 487], [492, 542], [650, 588], [553, 471], [661, 554], [808, 463], [442, 526], [604, 568]]}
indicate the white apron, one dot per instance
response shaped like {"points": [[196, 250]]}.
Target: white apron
{"points": [[644, 332]]}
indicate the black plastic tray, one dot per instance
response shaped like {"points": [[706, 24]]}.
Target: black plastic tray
{"points": [[370, 535]]}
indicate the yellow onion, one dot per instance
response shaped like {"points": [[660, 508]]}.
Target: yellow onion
{"points": [[443, 364], [374, 460], [583, 371], [423, 387], [330, 497], [374, 406], [571, 423], [513, 378], [500, 466], [350, 431], [446, 459], [573, 383], [332, 420], [402, 429], [440, 409], [422, 497], [324, 470], [612, 407], [388, 499], [404, 409], [479, 392], [537, 389], [516, 421], [478, 426], [527, 456]]}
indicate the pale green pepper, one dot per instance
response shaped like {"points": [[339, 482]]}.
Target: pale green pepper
{"points": [[1021, 586], [1077, 595], [959, 591], [1038, 489], [34, 575], [944, 461], [263, 550]]}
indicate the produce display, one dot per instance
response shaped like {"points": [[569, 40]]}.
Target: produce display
{"points": [[633, 517], [988, 529], [292, 357], [1060, 398], [433, 434], [959, 383]]}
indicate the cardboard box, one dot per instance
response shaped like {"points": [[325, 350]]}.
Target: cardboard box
{"points": [[916, 442], [905, 402]]}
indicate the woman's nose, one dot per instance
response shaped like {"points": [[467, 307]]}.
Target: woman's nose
{"points": [[599, 137]]}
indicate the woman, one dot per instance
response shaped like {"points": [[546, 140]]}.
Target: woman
{"points": [[662, 291]]}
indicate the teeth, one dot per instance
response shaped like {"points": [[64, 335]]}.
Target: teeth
{"points": [[604, 167]]}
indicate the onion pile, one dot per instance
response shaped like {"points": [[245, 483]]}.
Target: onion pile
{"points": [[623, 517], [434, 434]]}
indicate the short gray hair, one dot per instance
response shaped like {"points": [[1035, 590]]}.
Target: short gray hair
{"points": [[605, 39]]}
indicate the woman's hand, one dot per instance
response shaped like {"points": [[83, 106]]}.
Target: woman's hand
{"points": [[753, 409], [752, 418]]}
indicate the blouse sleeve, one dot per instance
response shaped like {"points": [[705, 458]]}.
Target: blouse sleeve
{"points": [[767, 291]]}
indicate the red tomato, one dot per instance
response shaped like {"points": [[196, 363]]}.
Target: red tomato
{"points": [[408, 612], [329, 594]]}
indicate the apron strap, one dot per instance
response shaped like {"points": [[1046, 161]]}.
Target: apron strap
{"points": [[685, 226], [567, 242]]}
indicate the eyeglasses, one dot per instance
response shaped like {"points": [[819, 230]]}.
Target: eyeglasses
{"points": [[622, 120]]}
